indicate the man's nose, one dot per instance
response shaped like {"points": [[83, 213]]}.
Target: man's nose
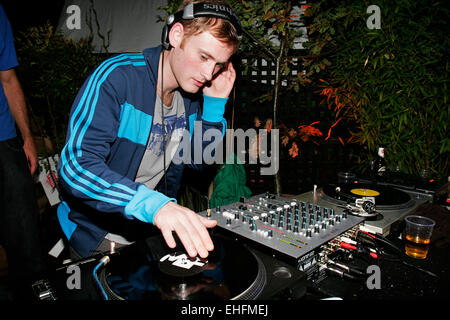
{"points": [[209, 70]]}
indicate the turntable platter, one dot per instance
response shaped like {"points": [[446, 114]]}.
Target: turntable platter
{"points": [[155, 272], [386, 198]]}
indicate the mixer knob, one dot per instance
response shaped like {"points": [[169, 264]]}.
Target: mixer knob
{"points": [[227, 214], [272, 220], [338, 218], [264, 217], [324, 225], [280, 223], [289, 226], [296, 228], [344, 215], [331, 222], [316, 229], [271, 214], [332, 212], [308, 233], [304, 224], [269, 233], [228, 221]]}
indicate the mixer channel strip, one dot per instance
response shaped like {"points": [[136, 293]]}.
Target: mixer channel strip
{"points": [[286, 226]]}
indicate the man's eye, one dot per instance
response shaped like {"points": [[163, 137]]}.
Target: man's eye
{"points": [[204, 58]]}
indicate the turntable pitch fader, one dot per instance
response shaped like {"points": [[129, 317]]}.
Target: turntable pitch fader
{"points": [[287, 227]]}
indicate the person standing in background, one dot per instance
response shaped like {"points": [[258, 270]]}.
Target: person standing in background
{"points": [[19, 211]]}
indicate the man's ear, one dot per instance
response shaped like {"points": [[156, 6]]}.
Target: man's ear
{"points": [[176, 35]]}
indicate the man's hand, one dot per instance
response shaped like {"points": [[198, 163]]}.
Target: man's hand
{"points": [[30, 152], [189, 226], [222, 83]]}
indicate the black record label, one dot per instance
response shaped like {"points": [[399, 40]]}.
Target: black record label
{"points": [[179, 264]]}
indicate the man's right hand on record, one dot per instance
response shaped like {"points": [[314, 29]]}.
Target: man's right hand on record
{"points": [[190, 227]]}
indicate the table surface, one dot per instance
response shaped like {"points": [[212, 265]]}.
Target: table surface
{"points": [[400, 280]]}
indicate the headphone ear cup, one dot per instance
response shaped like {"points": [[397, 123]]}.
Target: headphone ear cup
{"points": [[165, 37]]}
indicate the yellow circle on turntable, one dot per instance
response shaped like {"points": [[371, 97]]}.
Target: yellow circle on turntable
{"points": [[365, 192]]}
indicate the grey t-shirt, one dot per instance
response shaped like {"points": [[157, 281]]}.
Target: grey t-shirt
{"points": [[151, 168]]}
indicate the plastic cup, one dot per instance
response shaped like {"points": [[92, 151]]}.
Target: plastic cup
{"points": [[418, 233]]}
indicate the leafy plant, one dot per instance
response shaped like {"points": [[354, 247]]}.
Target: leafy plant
{"points": [[388, 85], [52, 69]]}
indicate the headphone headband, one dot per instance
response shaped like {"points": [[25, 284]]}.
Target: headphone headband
{"points": [[203, 9]]}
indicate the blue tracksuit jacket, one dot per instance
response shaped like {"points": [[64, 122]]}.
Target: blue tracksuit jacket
{"points": [[109, 126]]}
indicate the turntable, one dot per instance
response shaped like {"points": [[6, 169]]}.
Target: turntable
{"points": [[391, 204], [149, 270]]}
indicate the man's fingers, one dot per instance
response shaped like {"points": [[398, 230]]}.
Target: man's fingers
{"points": [[194, 233], [168, 237], [208, 223], [185, 232], [190, 228], [203, 232], [33, 165]]}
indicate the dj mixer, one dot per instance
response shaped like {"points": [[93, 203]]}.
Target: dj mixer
{"points": [[287, 228]]}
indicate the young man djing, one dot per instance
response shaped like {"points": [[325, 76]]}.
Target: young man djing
{"points": [[116, 171]]}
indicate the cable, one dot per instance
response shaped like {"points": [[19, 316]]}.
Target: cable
{"points": [[399, 257], [103, 262], [338, 272], [162, 121], [346, 267], [373, 238]]}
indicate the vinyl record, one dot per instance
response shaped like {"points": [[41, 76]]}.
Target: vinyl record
{"points": [[156, 272], [385, 197]]}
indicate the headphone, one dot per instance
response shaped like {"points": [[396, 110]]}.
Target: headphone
{"points": [[203, 9]]}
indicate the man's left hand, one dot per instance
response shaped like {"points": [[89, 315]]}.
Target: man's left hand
{"points": [[222, 83]]}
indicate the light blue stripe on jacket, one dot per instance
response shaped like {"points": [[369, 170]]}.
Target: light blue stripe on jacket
{"points": [[86, 109]]}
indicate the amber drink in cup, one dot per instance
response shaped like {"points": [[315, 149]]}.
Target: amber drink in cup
{"points": [[418, 232]]}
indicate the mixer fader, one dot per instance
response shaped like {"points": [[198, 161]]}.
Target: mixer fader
{"points": [[287, 226]]}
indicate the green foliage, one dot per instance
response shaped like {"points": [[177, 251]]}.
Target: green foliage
{"points": [[52, 69], [274, 25], [390, 83]]}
